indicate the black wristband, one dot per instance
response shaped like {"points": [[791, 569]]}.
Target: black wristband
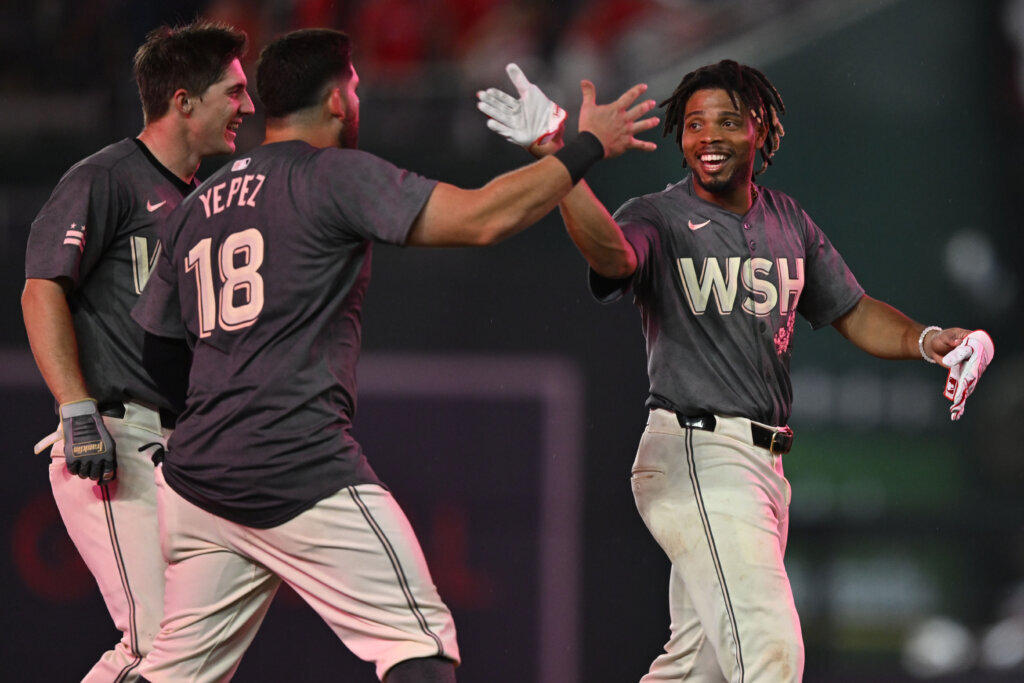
{"points": [[580, 154]]}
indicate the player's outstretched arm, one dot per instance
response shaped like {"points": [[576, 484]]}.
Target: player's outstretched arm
{"points": [[590, 226], [532, 122], [596, 234], [882, 331], [877, 328], [511, 202]]}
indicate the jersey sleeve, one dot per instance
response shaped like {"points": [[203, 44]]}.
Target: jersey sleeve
{"points": [[75, 226], [832, 290], [638, 220], [158, 310], [374, 199]]}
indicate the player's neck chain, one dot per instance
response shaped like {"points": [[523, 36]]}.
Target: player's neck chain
{"points": [[753, 193]]}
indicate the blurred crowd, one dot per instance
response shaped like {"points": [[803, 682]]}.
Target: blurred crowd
{"points": [[66, 44]]}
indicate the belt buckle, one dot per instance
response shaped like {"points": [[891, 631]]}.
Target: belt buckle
{"points": [[782, 441]]}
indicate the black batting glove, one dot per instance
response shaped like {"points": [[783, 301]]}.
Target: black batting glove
{"points": [[88, 447]]}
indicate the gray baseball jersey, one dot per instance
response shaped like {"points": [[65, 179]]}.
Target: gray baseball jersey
{"points": [[264, 271], [98, 230], [718, 294]]}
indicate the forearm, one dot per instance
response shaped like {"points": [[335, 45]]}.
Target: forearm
{"points": [[592, 229], [877, 328], [596, 234], [51, 335], [519, 199], [501, 208]]}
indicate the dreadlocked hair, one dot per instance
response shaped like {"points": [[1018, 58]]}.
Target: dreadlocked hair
{"points": [[747, 87]]}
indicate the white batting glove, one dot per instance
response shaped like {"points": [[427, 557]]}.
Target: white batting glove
{"points": [[966, 363], [531, 119]]}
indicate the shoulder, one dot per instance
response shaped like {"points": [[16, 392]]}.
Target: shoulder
{"points": [[299, 158], [351, 161], [656, 208], [369, 178], [787, 212], [673, 194], [120, 163], [93, 181], [110, 157], [780, 201]]}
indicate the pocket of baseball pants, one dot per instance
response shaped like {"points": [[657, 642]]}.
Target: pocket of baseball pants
{"points": [[647, 483]]}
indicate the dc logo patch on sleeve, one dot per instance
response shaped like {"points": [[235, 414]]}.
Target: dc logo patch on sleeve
{"points": [[75, 236]]}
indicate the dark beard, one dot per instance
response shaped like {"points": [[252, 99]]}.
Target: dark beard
{"points": [[717, 187], [348, 138]]}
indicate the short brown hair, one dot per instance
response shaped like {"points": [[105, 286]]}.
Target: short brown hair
{"points": [[193, 57]]}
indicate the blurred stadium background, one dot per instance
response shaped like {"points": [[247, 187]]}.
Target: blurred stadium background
{"points": [[524, 399]]}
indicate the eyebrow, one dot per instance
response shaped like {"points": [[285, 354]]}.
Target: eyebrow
{"points": [[724, 112]]}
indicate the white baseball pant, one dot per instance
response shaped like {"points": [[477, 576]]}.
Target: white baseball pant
{"points": [[719, 508], [115, 530], [353, 558]]}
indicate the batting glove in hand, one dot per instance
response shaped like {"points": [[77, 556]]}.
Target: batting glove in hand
{"points": [[88, 446], [966, 363], [531, 119]]}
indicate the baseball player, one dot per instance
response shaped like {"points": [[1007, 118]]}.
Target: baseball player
{"points": [[263, 272], [89, 254], [719, 267]]}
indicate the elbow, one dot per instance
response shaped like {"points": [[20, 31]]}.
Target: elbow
{"points": [[619, 270], [491, 230], [618, 266], [29, 294], [484, 236], [37, 292]]}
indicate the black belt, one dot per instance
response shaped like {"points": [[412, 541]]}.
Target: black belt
{"points": [[116, 409], [777, 441]]}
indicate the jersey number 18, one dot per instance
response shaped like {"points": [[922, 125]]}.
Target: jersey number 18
{"points": [[240, 300]]}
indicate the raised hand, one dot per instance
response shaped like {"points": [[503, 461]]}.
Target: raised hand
{"points": [[532, 119], [617, 123]]}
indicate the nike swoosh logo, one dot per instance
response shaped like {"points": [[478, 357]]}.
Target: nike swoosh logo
{"points": [[151, 207], [698, 226]]}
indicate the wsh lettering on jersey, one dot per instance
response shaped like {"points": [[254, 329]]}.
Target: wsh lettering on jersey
{"points": [[239, 191], [142, 262], [755, 276]]}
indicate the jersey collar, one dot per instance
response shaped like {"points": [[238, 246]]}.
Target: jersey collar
{"points": [[182, 186]]}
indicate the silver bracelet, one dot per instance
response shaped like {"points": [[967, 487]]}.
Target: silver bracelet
{"points": [[920, 342]]}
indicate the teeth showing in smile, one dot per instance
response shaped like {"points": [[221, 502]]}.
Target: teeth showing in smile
{"points": [[712, 158]]}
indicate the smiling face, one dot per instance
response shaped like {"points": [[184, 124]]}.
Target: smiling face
{"points": [[719, 144], [218, 112]]}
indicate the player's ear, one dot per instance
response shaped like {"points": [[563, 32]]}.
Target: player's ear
{"points": [[761, 133], [182, 101], [336, 104]]}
